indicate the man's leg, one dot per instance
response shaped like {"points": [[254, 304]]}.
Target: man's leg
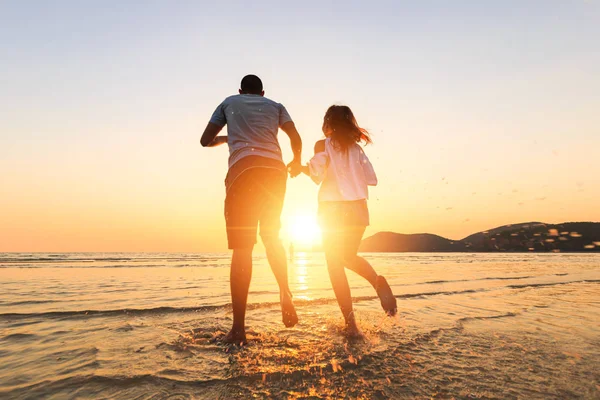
{"points": [[278, 263], [273, 186], [239, 279], [241, 216]]}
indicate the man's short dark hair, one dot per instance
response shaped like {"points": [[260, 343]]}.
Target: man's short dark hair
{"points": [[251, 84]]}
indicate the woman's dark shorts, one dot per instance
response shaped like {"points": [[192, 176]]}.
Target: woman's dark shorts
{"points": [[255, 188], [342, 224]]}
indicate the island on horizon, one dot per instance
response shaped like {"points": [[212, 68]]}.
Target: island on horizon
{"points": [[522, 237]]}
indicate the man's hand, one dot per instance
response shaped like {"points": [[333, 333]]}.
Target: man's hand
{"points": [[218, 141], [210, 134], [295, 168]]}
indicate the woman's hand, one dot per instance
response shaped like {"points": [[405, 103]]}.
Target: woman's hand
{"points": [[295, 168]]}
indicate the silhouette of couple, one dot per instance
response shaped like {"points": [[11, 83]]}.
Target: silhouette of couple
{"points": [[255, 190]]}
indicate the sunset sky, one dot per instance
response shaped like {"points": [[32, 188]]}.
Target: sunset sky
{"points": [[482, 113]]}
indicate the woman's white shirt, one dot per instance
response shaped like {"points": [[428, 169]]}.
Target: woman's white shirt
{"points": [[344, 176]]}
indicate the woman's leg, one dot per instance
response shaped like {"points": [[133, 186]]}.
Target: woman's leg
{"points": [[364, 269], [355, 262], [333, 246]]}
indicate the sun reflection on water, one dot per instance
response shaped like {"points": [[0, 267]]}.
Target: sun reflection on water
{"points": [[300, 262]]}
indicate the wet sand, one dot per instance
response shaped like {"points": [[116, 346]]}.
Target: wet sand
{"points": [[517, 326]]}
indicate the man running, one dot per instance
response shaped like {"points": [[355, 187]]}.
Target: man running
{"points": [[255, 189]]}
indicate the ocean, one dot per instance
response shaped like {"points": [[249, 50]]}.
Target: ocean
{"points": [[143, 326]]}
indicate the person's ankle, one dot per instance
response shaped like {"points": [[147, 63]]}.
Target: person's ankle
{"points": [[352, 327], [350, 319]]}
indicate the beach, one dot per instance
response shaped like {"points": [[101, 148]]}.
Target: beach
{"points": [[144, 326]]}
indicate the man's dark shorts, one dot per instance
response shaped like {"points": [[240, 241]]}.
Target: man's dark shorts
{"points": [[255, 188]]}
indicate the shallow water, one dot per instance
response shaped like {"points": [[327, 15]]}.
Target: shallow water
{"points": [[140, 326]]}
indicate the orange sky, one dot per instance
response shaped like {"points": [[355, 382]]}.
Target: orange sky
{"points": [[479, 119]]}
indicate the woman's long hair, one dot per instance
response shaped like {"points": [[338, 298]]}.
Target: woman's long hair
{"points": [[340, 125]]}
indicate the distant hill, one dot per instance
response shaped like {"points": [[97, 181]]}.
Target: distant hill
{"points": [[398, 242], [528, 236]]}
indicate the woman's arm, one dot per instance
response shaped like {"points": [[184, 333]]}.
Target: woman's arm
{"points": [[320, 146], [317, 166], [369, 171]]}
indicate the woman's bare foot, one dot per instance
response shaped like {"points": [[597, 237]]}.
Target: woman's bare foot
{"points": [[235, 337], [288, 311], [388, 301]]}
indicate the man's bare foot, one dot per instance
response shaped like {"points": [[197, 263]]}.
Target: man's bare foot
{"points": [[352, 332], [288, 311], [235, 337]]}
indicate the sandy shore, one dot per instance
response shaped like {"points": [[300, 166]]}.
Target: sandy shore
{"points": [[524, 332]]}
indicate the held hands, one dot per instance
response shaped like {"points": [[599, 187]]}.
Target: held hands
{"points": [[295, 168]]}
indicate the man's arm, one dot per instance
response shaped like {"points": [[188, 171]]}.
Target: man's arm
{"points": [[209, 137], [296, 142]]}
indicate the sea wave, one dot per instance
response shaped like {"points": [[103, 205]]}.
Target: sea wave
{"points": [[70, 257], [204, 308], [78, 314], [73, 264], [536, 285], [490, 278]]}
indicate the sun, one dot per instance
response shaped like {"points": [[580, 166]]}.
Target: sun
{"points": [[304, 230]]}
